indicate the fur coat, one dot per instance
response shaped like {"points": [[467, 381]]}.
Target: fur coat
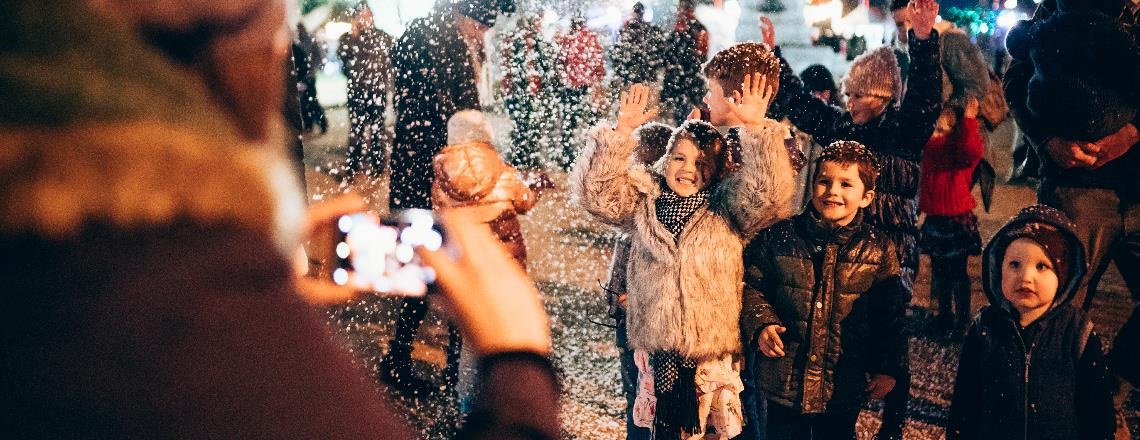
{"points": [[685, 295]]}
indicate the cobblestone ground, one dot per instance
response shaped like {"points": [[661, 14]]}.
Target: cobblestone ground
{"points": [[569, 254]]}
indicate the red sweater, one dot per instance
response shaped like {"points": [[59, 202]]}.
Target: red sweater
{"points": [[947, 170]]}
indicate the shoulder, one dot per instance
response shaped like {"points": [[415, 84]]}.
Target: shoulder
{"points": [[781, 235]]}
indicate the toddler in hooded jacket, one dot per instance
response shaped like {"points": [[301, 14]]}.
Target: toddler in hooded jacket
{"points": [[1031, 365]]}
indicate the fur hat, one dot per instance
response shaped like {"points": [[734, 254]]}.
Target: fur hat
{"points": [[485, 11], [1072, 88], [875, 73], [468, 126], [965, 72]]}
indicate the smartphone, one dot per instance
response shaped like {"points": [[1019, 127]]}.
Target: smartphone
{"points": [[378, 254]]}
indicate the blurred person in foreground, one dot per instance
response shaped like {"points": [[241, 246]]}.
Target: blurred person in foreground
{"points": [[149, 202]]}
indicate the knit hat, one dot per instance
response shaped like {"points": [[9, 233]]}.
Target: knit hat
{"points": [[468, 126], [875, 73], [485, 11]]}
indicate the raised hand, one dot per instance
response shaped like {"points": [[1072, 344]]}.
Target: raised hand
{"points": [[767, 32], [634, 109], [751, 105], [922, 16]]}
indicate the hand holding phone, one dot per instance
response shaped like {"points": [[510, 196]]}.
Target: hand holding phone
{"points": [[379, 254]]}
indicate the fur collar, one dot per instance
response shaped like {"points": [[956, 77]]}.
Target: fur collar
{"points": [[56, 181]]}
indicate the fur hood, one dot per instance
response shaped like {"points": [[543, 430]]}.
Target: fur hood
{"points": [[98, 128], [685, 294]]}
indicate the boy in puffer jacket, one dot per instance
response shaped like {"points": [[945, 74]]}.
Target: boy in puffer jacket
{"points": [[469, 173], [688, 221], [1031, 366], [824, 304]]}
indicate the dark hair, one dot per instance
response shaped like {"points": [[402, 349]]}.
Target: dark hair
{"points": [[729, 66], [848, 153], [898, 4], [652, 140], [638, 9], [711, 143], [817, 78]]}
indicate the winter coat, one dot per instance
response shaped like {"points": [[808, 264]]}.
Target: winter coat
{"points": [[472, 175], [838, 293], [434, 80], [365, 62], [580, 57], [1046, 381], [684, 294], [947, 170], [896, 137], [637, 55], [152, 295], [1120, 174]]}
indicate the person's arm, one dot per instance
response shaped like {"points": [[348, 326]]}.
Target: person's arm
{"points": [[966, 404], [966, 139], [601, 178], [759, 192], [501, 315], [921, 104], [807, 113], [756, 312], [1095, 412]]}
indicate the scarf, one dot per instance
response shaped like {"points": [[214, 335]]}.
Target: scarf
{"points": [[674, 211], [674, 386]]}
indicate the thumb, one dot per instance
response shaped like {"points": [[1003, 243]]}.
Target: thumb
{"points": [[780, 329]]}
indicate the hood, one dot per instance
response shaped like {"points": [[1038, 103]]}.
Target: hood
{"points": [[995, 250], [469, 171], [98, 126]]}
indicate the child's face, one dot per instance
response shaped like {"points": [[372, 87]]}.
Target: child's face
{"points": [[1028, 280], [839, 192], [687, 169], [864, 108], [718, 106]]}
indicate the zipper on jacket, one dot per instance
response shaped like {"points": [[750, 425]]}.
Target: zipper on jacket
{"points": [[1025, 386]]}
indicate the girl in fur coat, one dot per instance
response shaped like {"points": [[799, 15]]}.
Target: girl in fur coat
{"points": [[688, 217]]}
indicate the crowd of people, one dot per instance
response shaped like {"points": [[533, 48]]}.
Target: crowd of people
{"points": [[769, 222]]}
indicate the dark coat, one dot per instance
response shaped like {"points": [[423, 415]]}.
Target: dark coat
{"points": [[1046, 381], [434, 80], [839, 295], [897, 138], [1120, 174], [366, 64]]}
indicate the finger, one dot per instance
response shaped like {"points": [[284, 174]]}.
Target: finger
{"points": [[778, 350], [322, 213], [1091, 148], [652, 113], [694, 114], [758, 82]]}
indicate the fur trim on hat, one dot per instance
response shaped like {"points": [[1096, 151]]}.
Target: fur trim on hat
{"points": [[468, 126], [875, 73]]}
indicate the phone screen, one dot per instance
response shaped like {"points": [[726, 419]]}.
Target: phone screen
{"points": [[379, 254]]}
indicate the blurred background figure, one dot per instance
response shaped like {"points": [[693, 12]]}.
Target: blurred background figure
{"points": [[364, 54], [686, 50], [582, 67]]}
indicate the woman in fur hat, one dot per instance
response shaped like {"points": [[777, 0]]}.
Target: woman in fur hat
{"points": [[688, 219]]}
